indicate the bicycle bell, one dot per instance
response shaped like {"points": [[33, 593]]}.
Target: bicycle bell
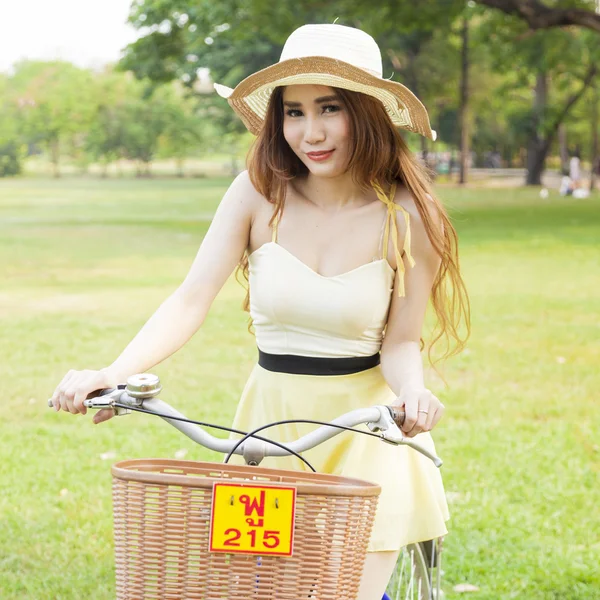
{"points": [[143, 385]]}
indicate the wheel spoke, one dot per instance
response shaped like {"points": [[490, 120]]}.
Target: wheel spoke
{"points": [[417, 575]]}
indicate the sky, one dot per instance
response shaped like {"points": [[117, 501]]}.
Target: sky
{"points": [[89, 33]]}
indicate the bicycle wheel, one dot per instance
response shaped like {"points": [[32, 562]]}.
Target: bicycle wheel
{"points": [[417, 573]]}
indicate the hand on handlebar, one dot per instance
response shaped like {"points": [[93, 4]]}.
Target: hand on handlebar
{"points": [[423, 410], [77, 386]]}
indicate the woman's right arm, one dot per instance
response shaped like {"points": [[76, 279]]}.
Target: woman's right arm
{"points": [[184, 311]]}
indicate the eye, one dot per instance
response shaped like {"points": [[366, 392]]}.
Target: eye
{"points": [[333, 107], [291, 112]]}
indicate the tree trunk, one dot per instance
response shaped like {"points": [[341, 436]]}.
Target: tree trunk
{"points": [[412, 79], [464, 104], [563, 148], [538, 146], [595, 158], [415, 87], [425, 151], [536, 159], [55, 156], [179, 162]]}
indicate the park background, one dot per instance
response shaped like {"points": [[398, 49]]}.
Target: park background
{"points": [[110, 174]]}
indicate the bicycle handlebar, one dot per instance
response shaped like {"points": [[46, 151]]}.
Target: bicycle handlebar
{"points": [[142, 393]]}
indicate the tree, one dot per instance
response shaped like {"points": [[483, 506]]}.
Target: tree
{"points": [[541, 16], [234, 39], [595, 149], [56, 102], [11, 146], [557, 66], [185, 35], [420, 47], [145, 122], [464, 101], [183, 131]]}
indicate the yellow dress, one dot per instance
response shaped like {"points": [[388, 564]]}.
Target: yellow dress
{"points": [[297, 311]]}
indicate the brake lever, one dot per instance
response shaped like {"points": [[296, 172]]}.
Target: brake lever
{"points": [[108, 400], [391, 419], [389, 425]]}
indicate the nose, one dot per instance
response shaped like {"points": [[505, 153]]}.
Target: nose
{"points": [[314, 131]]}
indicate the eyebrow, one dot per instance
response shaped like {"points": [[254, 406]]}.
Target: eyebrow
{"points": [[320, 100]]}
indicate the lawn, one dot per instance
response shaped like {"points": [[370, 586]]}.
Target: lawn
{"points": [[84, 262]]}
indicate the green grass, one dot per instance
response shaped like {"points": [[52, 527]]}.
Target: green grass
{"points": [[83, 264]]}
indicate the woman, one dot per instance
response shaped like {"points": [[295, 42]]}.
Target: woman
{"points": [[575, 170], [335, 226]]}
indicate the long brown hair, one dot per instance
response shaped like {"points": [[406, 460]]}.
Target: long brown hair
{"points": [[378, 154]]}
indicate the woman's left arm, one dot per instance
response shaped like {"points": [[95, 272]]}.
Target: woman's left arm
{"points": [[401, 360]]}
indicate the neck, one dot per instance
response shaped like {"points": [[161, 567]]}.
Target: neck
{"points": [[333, 193]]}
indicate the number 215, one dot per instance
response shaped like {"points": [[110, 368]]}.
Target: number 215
{"points": [[270, 538]]}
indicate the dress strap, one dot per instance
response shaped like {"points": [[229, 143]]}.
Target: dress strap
{"points": [[274, 228], [390, 222]]}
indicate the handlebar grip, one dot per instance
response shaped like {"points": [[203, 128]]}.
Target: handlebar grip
{"points": [[398, 415]]}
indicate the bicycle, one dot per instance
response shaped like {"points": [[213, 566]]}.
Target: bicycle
{"points": [[188, 529]]}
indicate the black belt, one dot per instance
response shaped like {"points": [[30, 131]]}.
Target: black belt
{"points": [[311, 365]]}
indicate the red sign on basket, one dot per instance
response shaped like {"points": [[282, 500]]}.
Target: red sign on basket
{"points": [[251, 519]]}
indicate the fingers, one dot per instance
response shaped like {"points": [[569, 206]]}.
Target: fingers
{"points": [[90, 382], [438, 415], [81, 394], [423, 411], [415, 403], [58, 399], [410, 414], [103, 415], [431, 417], [75, 387]]}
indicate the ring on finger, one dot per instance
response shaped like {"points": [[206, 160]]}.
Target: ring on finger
{"points": [[423, 411]]}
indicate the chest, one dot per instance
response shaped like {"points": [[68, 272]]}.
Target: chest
{"points": [[329, 243], [284, 290]]}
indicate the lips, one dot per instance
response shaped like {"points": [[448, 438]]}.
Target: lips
{"points": [[320, 155]]}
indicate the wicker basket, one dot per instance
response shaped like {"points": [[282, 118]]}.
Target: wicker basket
{"points": [[162, 514]]}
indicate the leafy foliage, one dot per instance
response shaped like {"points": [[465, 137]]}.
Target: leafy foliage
{"points": [[63, 110], [158, 101], [234, 39], [11, 148]]}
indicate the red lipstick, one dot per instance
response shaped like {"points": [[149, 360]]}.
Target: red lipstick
{"points": [[320, 156]]}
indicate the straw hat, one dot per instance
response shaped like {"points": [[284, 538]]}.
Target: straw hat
{"points": [[332, 55]]}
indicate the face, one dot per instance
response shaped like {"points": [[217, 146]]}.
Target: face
{"points": [[316, 127]]}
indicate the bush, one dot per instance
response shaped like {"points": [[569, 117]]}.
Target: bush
{"points": [[10, 159]]}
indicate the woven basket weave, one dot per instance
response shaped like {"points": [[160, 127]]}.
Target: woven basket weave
{"points": [[162, 514]]}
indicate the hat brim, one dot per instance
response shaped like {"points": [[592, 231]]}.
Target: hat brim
{"points": [[250, 98]]}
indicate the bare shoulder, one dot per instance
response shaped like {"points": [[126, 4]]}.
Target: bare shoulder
{"points": [[420, 232], [406, 200], [243, 195]]}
